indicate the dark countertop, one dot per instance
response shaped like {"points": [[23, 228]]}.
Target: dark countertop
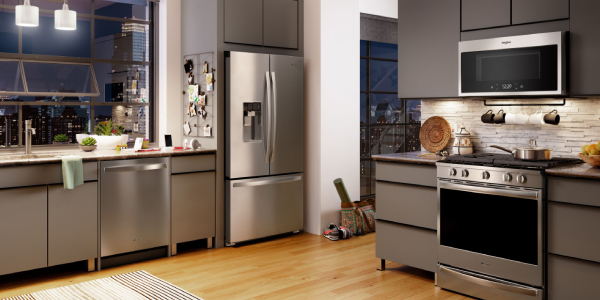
{"points": [[582, 171], [38, 158], [410, 158]]}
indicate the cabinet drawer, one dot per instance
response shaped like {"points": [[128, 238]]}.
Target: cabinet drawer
{"points": [[416, 247], [194, 163], [574, 231], [570, 278], [407, 173], [407, 204], [578, 191], [41, 174], [193, 206]]}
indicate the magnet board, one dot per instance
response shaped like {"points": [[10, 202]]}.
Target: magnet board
{"points": [[197, 122]]}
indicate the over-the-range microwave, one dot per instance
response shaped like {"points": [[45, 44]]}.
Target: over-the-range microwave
{"points": [[521, 66]]}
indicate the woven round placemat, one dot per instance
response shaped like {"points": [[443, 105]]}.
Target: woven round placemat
{"points": [[435, 134]]}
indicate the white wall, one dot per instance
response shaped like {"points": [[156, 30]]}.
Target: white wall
{"points": [[332, 70], [199, 35], [169, 72], [384, 8]]}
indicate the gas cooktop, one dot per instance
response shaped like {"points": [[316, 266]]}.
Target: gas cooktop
{"points": [[508, 161]]}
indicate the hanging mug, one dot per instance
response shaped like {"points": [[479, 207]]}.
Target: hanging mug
{"points": [[488, 117], [500, 117], [537, 118], [552, 118]]}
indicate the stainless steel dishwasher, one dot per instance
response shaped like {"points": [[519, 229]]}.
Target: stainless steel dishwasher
{"points": [[135, 205]]}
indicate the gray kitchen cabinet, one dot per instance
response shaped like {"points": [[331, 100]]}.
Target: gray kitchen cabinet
{"points": [[412, 246], [585, 46], [523, 29], [407, 204], [23, 229], [425, 175], [244, 21], [428, 36], [573, 230], [530, 11], [72, 223], [280, 26], [570, 279], [193, 206], [572, 190], [477, 14]]}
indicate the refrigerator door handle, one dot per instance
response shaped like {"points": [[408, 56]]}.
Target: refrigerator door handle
{"points": [[267, 123], [259, 182], [274, 123]]}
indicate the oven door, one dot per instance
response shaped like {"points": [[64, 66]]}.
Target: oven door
{"points": [[491, 230], [529, 65]]}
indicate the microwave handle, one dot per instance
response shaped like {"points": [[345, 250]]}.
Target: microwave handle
{"points": [[499, 285], [525, 194]]}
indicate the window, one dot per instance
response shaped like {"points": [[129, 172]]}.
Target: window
{"points": [[113, 44], [388, 124]]}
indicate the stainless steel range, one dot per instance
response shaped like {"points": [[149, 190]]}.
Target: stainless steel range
{"points": [[491, 225]]}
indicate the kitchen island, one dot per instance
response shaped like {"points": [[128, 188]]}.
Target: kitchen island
{"points": [[407, 221], [43, 224]]}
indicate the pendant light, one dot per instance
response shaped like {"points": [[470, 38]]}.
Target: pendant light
{"points": [[65, 19], [27, 15]]}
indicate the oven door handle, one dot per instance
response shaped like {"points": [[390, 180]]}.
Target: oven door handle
{"points": [[495, 284], [525, 194]]}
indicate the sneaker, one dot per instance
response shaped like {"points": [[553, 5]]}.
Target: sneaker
{"points": [[331, 232], [344, 233]]}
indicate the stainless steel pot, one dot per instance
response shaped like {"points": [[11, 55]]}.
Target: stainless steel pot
{"points": [[531, 152]]}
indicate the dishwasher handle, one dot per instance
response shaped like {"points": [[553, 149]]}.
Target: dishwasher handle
{"points": [[259, 182], [135, 168]]}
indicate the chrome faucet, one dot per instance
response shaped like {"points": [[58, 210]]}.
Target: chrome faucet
{"points": [[28, 133]]}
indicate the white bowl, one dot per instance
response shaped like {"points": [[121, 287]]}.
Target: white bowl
{"points": [[110, 142]]}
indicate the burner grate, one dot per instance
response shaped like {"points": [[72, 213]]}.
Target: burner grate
{"points": [[507, 161]]}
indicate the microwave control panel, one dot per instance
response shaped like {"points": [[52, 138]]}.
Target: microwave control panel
{"points": [[506, 86]]}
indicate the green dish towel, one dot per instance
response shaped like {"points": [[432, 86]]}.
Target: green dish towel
{"points": [[72, 169]]}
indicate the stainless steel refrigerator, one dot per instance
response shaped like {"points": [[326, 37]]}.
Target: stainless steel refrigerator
{"points": [[264, 161]]}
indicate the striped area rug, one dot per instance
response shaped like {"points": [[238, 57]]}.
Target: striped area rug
{"points": [[139, 285]]}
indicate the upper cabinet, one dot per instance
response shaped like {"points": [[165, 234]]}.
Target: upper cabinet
{"points": [[530, 11], [477, 14], [244, 21], [428, 36], [585, 46], [272, 23]]}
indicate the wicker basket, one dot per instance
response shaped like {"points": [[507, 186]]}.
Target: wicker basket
{"points": [[592, 160], [435, 134]]}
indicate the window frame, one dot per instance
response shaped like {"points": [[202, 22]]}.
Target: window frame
{"points": [[152, 64], [369, 125]]}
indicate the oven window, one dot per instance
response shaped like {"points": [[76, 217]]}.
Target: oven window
{"points": [[498, 226], [510, 70]]}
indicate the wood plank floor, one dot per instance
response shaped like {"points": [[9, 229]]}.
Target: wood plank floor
{"points": [[302, 266]]}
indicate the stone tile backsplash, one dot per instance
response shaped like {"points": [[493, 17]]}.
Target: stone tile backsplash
{"points": [[579, 123]]}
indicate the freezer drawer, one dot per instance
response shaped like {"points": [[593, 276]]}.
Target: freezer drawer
{"points": [[265, 206], [135, 205]]}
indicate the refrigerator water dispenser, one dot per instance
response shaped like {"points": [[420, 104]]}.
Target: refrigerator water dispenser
{"points": [[252, 122]]}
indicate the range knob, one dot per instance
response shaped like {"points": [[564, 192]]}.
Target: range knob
{"points": [[521, 178], [452, 172], [507, 177], [485, 175], [464, 173]]}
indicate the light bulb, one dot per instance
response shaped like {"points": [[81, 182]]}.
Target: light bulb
{"points": [[65, 19], [27, 15]]}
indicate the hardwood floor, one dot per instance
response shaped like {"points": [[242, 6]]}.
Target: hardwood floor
{"points": [[302, 266]]}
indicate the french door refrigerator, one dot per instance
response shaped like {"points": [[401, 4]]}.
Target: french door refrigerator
{"points": [[264, 145]]}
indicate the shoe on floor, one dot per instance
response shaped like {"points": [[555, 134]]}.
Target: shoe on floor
{"points": [[331, 232]]}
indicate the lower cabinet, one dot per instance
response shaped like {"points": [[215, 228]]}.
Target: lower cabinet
{"points": [[72, 223], [570, 278], [23, 229], [193, 206], [412, 246]]}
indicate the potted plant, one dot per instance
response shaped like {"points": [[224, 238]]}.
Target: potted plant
{"points": [[109, 135], [88, 144], [60, 139]]}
